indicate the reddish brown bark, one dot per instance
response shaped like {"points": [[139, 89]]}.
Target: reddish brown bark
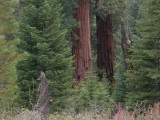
{"points": [[82, 47], [105, 49]]}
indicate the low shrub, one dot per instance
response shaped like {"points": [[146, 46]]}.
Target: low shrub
{"points": [[152, 113]]}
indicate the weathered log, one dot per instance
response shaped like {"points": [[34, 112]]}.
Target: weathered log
{"points": [[43, 101]]}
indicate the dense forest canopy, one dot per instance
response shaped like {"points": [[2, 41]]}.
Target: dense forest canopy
{"points": [[80, 59]]}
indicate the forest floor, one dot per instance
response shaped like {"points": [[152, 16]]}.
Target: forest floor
{"points": [[153, 113]]}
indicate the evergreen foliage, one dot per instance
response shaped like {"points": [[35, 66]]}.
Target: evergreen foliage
{"points": [[120, 87], [133, 13], [46, 32], [69, 7], [92, 95], [105, 7], [8, 55], [143, 79], [119, 90], [43, 38]]}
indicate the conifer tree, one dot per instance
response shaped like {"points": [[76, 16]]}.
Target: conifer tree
{"points": [[143, 78], [8, 55], [120, 87], [119, 90], [92, 95], [43, 38]]}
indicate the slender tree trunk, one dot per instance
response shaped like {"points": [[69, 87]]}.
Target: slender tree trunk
{"points": [[81, 46], [105, 48], [125, 42], [18, 7]]}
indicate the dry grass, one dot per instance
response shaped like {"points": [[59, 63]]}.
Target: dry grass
{"points": [[153, 113]]}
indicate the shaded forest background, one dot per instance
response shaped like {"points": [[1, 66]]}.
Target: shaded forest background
{"points": [[76, 56]]}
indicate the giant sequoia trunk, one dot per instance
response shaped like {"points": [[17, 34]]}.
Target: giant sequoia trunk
{"points": [[82, 47], [105, 49]]}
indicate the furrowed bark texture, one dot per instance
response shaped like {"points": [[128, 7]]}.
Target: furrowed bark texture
{"points": [[105, 48], [81, 49]]}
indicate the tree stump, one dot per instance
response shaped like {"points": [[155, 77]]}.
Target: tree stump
{"points": [[43, 101]]}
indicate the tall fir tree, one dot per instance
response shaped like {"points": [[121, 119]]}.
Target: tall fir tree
{"points": [[43, 38], [143, 78]]}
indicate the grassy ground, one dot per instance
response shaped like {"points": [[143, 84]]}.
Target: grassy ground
{"points": [[153, 113]]}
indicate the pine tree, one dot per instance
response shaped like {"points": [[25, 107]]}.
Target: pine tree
{"points": [[92, 95], [143, 79], [120, 86], [43, 38], [8, 55]]}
